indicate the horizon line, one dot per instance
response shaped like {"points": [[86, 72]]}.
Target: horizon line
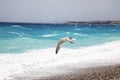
{"points": [[67, 22]]}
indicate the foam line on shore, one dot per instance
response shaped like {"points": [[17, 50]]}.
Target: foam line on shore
{"points": [[44, 62]]}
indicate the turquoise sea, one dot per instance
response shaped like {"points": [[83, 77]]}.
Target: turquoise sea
{"points": [[19, 38]]}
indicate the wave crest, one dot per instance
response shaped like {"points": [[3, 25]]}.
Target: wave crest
{"points": [[49, 35], [17, 26], [77, 34]]}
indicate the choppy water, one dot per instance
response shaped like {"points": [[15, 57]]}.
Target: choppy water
{"points": [[25, 37]]}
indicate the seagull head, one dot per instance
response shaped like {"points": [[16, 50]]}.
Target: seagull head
{"points": [[71, 40]]}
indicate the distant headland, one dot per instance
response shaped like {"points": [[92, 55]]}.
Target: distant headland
{"points": [[116, 22], [95, 22]]}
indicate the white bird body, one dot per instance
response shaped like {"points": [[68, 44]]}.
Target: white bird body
{"points": [[61, 41]]}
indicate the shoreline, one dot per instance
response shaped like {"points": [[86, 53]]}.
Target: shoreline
{"points": [[97, 73], [108, 72]]}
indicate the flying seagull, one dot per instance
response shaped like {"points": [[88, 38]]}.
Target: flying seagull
{"points": [[61, 41]]}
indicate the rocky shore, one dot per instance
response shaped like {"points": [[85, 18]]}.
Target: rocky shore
{"points": [[97, 73]]}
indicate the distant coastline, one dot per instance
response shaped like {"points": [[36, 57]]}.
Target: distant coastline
{"points": [[95, 22], [116, 22]]}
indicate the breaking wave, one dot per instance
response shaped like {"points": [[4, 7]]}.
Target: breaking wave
{"points": [[17, 26], [77, 34], [49, 35]]}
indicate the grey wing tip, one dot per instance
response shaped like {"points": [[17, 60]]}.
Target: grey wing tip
{"points": [[56, 52], [57, 49]]}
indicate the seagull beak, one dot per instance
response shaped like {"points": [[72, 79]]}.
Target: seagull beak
{"points": [[71, 42]]}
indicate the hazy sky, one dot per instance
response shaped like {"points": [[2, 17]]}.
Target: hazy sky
{"points": [[58, 10]]}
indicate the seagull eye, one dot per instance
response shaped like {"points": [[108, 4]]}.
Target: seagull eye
{"points": [[70, 38]]}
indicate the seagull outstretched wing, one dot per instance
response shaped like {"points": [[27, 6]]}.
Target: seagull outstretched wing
{"points": [[61, 41]]}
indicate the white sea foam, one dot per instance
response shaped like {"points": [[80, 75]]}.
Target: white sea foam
{"points": [[77, 34], [17, 26], [67, 32], [19, 34], [45, 62], [14, 32], [49, 35]]}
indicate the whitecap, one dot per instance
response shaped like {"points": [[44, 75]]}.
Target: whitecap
{"points": [[77, 29], [67, 32], [17, 26], [14, 32], [20, 34], [77, 34], [49, 35]]}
